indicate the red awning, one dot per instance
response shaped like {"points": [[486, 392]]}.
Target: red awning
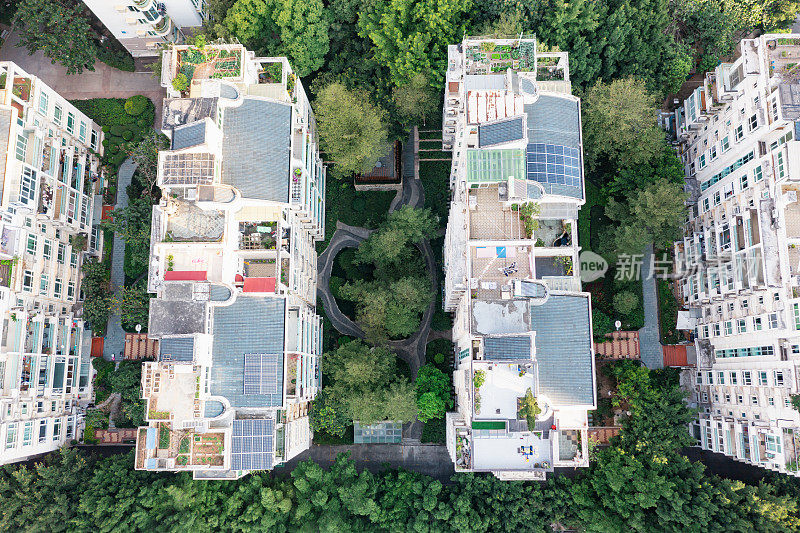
{"points": [[259, 285], [185, 275], [675, 355]]}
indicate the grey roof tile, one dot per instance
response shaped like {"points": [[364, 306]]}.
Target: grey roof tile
{"points": [[189, 135], [516, 348], [500, 132], [256, 149], [176, 349], [563, 349]]}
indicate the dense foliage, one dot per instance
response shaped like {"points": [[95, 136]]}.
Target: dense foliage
{"points": [[640, 483], [97, 295], [364, 386]]}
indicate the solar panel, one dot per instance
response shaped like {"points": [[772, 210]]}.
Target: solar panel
{"points": [[261, 373], [554, 164], [252, 444]]}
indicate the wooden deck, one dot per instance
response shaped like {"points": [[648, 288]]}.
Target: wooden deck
{"points": [[621, 345], [138, 346]]}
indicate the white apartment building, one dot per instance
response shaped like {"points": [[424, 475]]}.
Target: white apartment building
{"points": [[234, 269], [740, 257], [521, 321], [49, 169], [143, 26]]}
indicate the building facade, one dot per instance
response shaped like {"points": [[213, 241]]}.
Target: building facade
{"points": [[143, 26], [49, 178], [738, 262], [522, 325], [234, 268]]}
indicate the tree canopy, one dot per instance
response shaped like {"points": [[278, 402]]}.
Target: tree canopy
{"points": [[59, 30]]}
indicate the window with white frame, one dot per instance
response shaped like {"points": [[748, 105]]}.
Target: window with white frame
{"points": [[728, 327], [27, 186], [746, 380], [725, 144], [738, 133], [753, 400], [27, 281], [773, 320], [741, 326], [758, 173], [733, 377], [57, 429], [721, 378], [70, 122], [57, 287], [47, 249], [32, 242], [82, 132], [71, 290], [757, 324], [781, 169], [62, 253], [57, 115], [44, 283], [27, 433], [11, 436], [778, 376], [43, 103], [762, 378], [93, 139], [22, 147]]}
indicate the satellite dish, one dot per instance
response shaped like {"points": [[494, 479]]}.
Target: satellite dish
{"points": [[617, 324]]}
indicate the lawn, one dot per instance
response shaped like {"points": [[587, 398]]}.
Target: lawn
{"points": [[667, 313], [430, 135], [434, 431], [585, 218]]}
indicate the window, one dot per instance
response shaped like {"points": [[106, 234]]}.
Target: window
{"points": [[27, 281], [47, 249], [22, 147], [706, 205], [702, 163], [757, 325], [44, 283], [32, 239], [733, 377], [716, 398], [699, 378], [728, 327], [741, 326], [753, 400], [758, 174], [43, 103], [743, 182], [786, 402], [771, 400], [716, 198], [713, 152], [73, 259], [753, 122], [781, 169], [727, 398], [82, 132], [721, 378], [57, 289], [746, 378], [42, 431], [773, 320], [716, 330], [71, 290], [778, 376], [27, 186], [725, 144], [762, 378], [57, 115], [740, 399], [738, 133], [62, 252], [57, 429], [93, 140], [27, 433], [11, 436], [70, 122], [710, 377]]}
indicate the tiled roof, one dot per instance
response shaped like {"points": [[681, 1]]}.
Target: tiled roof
{"points": [[500, 132], [189, 135], [507, 348], [563, 349], [249, 326], [255, 150], [177, 349]]}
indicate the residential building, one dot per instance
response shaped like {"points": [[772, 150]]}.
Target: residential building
{"points": [[739, 260], [49, 175], [521, 321], [234, 269], [143, 26]]}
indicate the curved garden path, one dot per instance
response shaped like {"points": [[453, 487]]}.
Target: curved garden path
{"points": [[411, 349]]}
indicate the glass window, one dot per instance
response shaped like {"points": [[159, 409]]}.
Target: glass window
{"points": [[721, 378], [22, 147], [733, 376], [47, 249], [27, 281], [70, 122], [57, 288], [11, 436], [32, 239], [758, 174], [754, 400], [781, 169], [746, 377], [82, 132], [762, 378], [725, 144], [71, 290], [778, 375], [73, 259], [62, 252], [57, 429], [57, 115], [44, 284], [43, 103]]}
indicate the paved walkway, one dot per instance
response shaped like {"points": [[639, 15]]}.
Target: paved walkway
{"points": [[114, 345], [103, 82], [651, 353], [428, 459]]}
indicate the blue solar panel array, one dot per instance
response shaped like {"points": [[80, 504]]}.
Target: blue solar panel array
{"points": [[554, 164], [252, 444], [261, 373]]}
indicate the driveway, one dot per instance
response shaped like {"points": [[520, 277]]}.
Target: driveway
{"points": [[103, 82]]}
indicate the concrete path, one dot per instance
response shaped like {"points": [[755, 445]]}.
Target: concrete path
{"points": [[651, 352], [428, 459], [114, 344], [103, 82]]}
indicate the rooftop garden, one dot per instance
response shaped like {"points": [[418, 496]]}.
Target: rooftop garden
{"points": [[201, 62]]}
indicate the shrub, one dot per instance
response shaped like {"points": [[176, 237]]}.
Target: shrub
{"points": [[135, 105], [144, 123], [127, 135], [180, 83], [601, 324], [438, 358], [119, 59], [625, 302], [117, 130], [359, 203]]}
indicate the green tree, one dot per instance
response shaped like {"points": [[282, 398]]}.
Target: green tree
{"points": [[415, 100], [295, 28], [601, 325], [352, 129], [386, 247], [59, 30], [509, 23], [410, 36], [132, 224], [662, 164], [97, 295], [429, 406], [654, 214], [618, 124], [327, 415], [434, 392], [144, 155], [133, 305], [625, 302]]}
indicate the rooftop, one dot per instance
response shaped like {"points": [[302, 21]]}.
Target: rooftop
{"points": [[250, 326], [188, 223], [261, 129]]}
